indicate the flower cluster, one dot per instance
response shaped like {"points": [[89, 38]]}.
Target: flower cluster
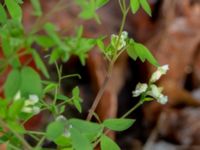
{"points": [[151, 89], [30, 104], [119, 43]]}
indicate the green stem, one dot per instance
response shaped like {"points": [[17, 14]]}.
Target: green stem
{"points": [[122, 117], [40, 142], [111, 65], [124, 12], [132, 109], [13, 147], [71, 75], [26, 145], [36, 132], [65, 102]]}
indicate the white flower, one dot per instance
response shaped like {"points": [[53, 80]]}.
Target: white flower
{"points": [[162, 99], [30, 105], [36, 110], [67, 134], [158, 73], [124, 35], [33, 99], [61, 118], [155, 92], [27, 109], [140, 88], [70, 126], [122, 41], [17, 96]]}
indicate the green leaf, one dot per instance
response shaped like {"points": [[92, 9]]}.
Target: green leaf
{"points": [[3, 15], [62, 97], [101, 45], [144, 53], [16, 127], [37, 7], [15, 108], [136, 50], [88, 9], [44, 41], [50, 87], [76, 99], [12, 84], [51, 31], [19, 1], [14, 9], [135, 5], [55, 55], [100, 3], [62, 109], [145, 5], [79, 142], [87, 13], [108, 144], [55, 130], [31, 82], [79, 32], [39, 63], [3, 108], [63, 141], [89, 129], [5, 137], [118, 124], [7, 49]]}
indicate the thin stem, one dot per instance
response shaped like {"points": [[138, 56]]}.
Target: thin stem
{"points": [[36, 132], [121, 7], [14, 147], [124, 12], [122, 117], [40, 142], [65, 102], [111, 65], [100, 93], [34, 137], [71, 75], [26, 145], [132, 109]]}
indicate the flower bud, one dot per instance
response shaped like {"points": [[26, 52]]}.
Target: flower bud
{"points": [[158, 73]]}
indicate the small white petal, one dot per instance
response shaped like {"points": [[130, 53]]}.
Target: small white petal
{"points": [[27, 109], [61, 118], [163, 69], [34, 98], [162, 99], [155, 91], [158, 73], [36, 110], [140, 88], [17, 96], [155, 76], [67, 134]]}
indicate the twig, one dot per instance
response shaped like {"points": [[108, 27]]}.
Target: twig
{"points": [[100, 93], [26, 145]]}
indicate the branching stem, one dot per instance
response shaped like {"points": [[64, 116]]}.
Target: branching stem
{"points": [[26, 145]]}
